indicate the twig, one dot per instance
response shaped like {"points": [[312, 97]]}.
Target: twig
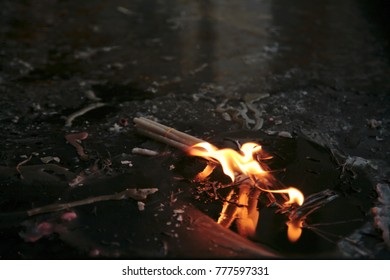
{"points": [[137, 194], [145, 152], [312, 203], [82, 111], [74, 139], [21, 163]]}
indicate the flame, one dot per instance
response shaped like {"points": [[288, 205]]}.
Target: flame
{"points": [[294, 230], [206, 172], [246, 215], [231, 160], [243, 162], [295, 195]]}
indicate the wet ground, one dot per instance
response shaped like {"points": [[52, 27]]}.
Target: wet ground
{"points": [[316, 71]]}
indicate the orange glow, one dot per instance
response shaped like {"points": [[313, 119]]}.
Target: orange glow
{"points": [[294, 230], [246, 216], [295, 195], [231, 160], [236, 163], [227, 217], [205, 173]]}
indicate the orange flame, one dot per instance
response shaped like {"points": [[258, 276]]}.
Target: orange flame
{"points": [[243, 162], [294, 230], [231, 160], [295, 195]]}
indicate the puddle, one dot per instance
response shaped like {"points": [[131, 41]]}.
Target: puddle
{"points": [[312, 169]]}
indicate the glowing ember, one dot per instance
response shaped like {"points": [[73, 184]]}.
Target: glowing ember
{"points": [[244, 162]]}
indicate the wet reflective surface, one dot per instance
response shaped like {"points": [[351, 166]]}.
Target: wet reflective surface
{"points": [[314, 70]]}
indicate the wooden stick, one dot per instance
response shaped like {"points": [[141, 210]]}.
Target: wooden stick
{"points": [[165, 134], [163, 139], [14, 218], [191, 140], [137, 194]]}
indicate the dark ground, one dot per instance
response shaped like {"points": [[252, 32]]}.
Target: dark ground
{"points": [[318, 70]]}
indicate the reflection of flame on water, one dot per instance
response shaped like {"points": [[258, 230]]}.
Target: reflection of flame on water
{"points": [[244, 209], [294, 229]]}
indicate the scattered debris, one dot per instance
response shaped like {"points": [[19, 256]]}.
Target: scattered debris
{"points": [[271, 132], [36, 107], [373, 123], [69, 120], [139, 194], [199, 69], [278, 122], [92, 96], [74, 139], [178, 211], [359, 162], [89, 52], [141, 206], [78, 180], [124, 122], [68, 216], [36, 232], [93, 171], [46, 173], [240, 114], [127, 162], [167, 58], [15, 119], [285, 134], [125, 11], [379, 139], [116, 128], [25, 68], [145, 152], [253, 58], [50, 159]]}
